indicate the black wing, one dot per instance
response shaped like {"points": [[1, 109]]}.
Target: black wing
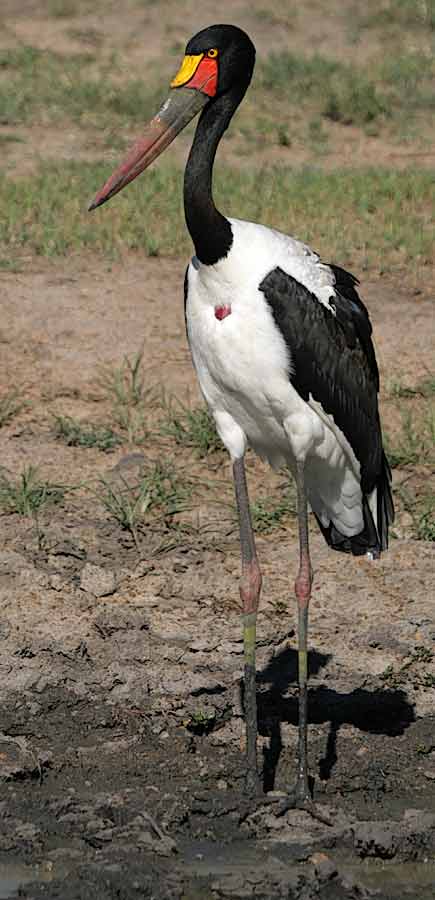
{"points": [[333, 360]]}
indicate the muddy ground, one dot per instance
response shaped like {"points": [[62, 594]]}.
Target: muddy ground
{"points": [[121, 699], [121, 757]]}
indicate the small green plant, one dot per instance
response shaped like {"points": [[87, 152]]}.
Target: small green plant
{"points": [[79, 434], [156, 488], [10, 405], [29, 494], [268, 515], [126, 504], [191, 427], [353, 101], [129, 395], [425, 521], [416, 443], [125, 384], [202, 721], [396, 390]]}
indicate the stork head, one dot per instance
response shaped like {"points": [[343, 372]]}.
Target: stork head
{"points": [[217, 60]]}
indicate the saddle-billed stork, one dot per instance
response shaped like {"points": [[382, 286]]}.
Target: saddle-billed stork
{"points": [[282, 347]]}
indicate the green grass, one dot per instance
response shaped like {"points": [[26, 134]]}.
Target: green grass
{"points": [[425, 520], [395, 86], [29, 494], [10, 138], [268, 514], [419, 14], [415, 443], [383, 215], [60, 9], [397, 390], [190, 427], [354, 101], [130, 396], [158, 487], [341, 91], [296, 77], [84, 434], [40, 85]]}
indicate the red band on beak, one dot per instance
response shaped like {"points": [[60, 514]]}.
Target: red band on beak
{"points": [[205, 77]]}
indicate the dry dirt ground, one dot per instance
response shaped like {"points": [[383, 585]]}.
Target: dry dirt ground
{"points": [[121, 729], [121, 749]]}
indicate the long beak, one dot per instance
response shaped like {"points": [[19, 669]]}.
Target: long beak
{"points": [[177, 111]]}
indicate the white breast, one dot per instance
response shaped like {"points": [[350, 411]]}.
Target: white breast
{"points": [[242, 361]]}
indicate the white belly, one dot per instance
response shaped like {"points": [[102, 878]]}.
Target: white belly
{"points": [[242, 365]]}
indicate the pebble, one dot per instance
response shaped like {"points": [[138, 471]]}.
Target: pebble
{"points": [[97, 581]]}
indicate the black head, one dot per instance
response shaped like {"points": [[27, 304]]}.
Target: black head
{"points": [[226, 52], [219, 62]]}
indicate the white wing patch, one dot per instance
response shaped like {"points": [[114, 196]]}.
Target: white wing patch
{"points": [[263, 249]]}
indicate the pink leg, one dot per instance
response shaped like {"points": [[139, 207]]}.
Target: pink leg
{"points": [[303, 584], [250, 587], [301, 797]]}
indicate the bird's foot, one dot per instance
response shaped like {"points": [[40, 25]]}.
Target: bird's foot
{"points": [[300, 798]]}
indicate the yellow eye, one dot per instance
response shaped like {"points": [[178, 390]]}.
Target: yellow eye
{"points": [[212, 53]]}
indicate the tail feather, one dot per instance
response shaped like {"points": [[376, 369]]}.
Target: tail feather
{"points": [[374, 536]]}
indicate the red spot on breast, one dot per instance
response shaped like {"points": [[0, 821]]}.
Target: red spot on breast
{"points": [[221, 312]]}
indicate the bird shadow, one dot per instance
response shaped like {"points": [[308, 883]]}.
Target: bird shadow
{"points": [[378, 711]]}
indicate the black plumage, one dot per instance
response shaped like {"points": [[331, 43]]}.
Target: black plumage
{"points": [[333, 360]]}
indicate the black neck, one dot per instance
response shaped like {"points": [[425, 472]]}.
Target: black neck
{"points": [[210, 231]]}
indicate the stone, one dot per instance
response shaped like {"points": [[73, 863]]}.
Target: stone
{"points": [[97, 581]]}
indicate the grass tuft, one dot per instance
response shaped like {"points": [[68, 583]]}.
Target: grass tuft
{"points": [[268, 514], [78, 434], [29, 494], [416, 442], [130, 397], [354, 101], [159, 487], [191, 427], [425, 520]]}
